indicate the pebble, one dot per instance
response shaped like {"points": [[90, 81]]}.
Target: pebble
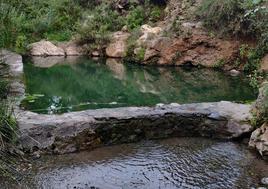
{"points": [[234, 72], [264, 181]]}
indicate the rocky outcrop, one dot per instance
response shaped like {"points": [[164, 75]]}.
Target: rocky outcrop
{"points": [[71, 48], [264, 63], [15, 64], [14, 61], [259, 140], [148, 33], [198, 48], [45, 48], [76, 131], [118, 46], [260, 107]]}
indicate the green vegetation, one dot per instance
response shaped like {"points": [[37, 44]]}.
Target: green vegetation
{"points": [[247, 19], [26, 21], [8, 129], [219, 64]]}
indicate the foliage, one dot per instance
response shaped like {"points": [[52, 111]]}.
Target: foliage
{"points": [[4, 85], [240, 17], [7, 124], [8, 128], [243, 18], [136, 17], [131, 44], [97, 24], [140, 54], [25, 21], [3, 88], [219, 64]]}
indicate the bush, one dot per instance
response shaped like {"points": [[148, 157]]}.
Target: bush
{"points": [[97, 24], [8, 124], [3, 88], [237, 17], [8, 131], [136, 17], [26, 21]]}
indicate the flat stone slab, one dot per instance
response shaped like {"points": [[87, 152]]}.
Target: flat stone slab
{"points": [[71, 132]]}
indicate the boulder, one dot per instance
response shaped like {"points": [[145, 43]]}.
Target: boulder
{"points": [[71, 48], [259, 140], [148, 33], [264, 63], [45, 48], [118, 46], [260, 107], [234, 72]]}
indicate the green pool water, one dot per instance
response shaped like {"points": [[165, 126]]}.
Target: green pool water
{"points": [[57, 85]]}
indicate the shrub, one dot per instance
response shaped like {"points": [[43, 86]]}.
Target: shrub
{"points": [[97, 24], [136, 17], [3, 88], [7, 124], [25, 21], [238, 17]]}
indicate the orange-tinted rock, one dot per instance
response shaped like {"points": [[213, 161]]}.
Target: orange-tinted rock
{"points": [[118, 46], [197, 49]]}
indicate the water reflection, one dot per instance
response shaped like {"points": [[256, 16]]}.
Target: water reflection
{"points": [[80, 83]]}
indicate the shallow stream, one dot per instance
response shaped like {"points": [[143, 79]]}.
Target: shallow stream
{"points": [[165, 164]]}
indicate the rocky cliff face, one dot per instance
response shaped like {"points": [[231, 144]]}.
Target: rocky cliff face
{"points": [[179, 40]]}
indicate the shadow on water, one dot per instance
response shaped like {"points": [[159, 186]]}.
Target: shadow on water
{"points": [[79, 83]]}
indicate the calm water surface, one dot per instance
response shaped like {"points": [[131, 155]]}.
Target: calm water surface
{"points": [[166, 164], [57, 85]]}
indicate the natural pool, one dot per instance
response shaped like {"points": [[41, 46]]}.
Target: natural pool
{"points": [[79, 83], [166, 164]]}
